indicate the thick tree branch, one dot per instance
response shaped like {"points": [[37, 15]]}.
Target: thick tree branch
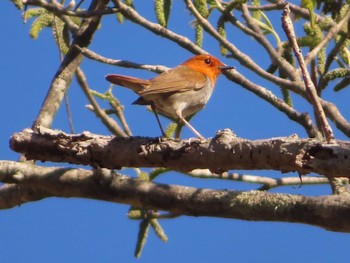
{"points": [[329, 212], [223, 152], [72, 60]]}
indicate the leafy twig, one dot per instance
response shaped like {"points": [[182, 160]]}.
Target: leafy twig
{"points": [[108, 121], [330, 35], [240, 56]]}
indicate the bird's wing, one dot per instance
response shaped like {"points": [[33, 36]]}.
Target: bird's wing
{"points": [[179, 79]]}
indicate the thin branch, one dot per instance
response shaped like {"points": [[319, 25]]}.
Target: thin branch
{"points": [[267, 7], [302, 118], [336, 117], [242, 57], [121, 63], [226, 12], [58, 9], [276, 58], [108, 121], [266, 182], [119, 111], [135, 17], [287, 25]]}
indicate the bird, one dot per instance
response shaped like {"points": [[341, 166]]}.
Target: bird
{"points": [[179, 92]]}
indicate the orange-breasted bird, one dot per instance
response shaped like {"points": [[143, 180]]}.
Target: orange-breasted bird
{"points": [[179, 92]]}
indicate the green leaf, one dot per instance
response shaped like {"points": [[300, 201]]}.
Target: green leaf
{"points": [[334, 74], [342, 84], [256, 13], [142, 237], [162, 9], [199, 35], [321, 59], [156, 172], [158, 229], [135, 213], [34, 12], [44, 20], [286, 97], [18, 4], [267, 27], [61, 35], [120, 16], [221, 30], [202, 7], [345, 53], [143, 176]]}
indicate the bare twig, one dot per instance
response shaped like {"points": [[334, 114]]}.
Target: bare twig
{"points": [[266, 182], [182, 41], [302, 118], [267, 7], [336, 117], [108, 121], [121, 63], [287, 25], [119, 111]]}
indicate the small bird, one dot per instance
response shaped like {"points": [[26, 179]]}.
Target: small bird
{"points": [[179, 92]]}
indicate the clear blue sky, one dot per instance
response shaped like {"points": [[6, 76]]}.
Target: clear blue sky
{"points": [[78, 230]]}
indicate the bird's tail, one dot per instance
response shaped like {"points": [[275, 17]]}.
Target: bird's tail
{"points": [[134, 84]]}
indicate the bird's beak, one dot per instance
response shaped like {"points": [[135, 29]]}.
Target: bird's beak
{"points": [[224, 68]]}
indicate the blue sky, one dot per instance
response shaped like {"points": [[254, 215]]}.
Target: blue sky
{"points": [[78, 230]]}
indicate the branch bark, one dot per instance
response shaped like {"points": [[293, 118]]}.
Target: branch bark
{"points": [[35, 183], [70, 63], [223, 152]]}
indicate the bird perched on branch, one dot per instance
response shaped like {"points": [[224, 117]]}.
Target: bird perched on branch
{"points": [[179, 92]]}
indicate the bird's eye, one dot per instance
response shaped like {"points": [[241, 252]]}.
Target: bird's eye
{"points": [[207, 61]]}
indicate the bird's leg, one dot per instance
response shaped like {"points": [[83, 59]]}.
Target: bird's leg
{"points": [[157, 117], [189, 126]]}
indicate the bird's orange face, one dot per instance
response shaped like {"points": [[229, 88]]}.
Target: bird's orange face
{"points": [[206, 64]]}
